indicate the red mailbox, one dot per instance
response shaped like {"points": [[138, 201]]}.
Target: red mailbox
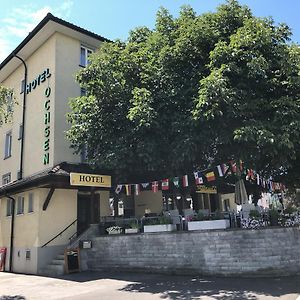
{"points": [[2, 259]]}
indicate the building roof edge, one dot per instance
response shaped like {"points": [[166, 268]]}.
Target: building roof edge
{"points": [[47, 18]]}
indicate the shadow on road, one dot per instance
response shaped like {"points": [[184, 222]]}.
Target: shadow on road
{"points": [[191, 287], [17, 297]]}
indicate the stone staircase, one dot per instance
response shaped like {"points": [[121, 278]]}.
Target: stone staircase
{"points": [[57, 266]]}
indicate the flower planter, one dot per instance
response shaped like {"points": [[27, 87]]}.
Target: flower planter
{"points": [[115, 232], [131, 230], [204, 225], [160, 228]]}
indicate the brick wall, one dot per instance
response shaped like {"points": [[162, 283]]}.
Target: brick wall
{"points": [[262, 252]]}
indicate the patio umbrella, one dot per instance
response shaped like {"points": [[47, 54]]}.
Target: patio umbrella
{"points": [[240, 194]]}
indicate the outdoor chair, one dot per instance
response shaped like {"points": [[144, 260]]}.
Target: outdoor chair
{"points": [[175, 217], [188, 215]]}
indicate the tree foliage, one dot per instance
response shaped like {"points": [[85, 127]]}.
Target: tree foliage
{"points": [[194, 91]]}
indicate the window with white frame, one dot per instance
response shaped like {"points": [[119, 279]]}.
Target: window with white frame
{"points": [[9, 207], [8, 144], [22, 86], [6, 178], [20, 205], [30, 203], [9, 102], [84, 55]]}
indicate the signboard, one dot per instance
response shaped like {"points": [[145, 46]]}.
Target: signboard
{"points": [[206, 189], [90, 180], [72, 260], [2, 258]]}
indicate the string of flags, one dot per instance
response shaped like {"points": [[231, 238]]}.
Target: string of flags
{"points": [[200, 178]]}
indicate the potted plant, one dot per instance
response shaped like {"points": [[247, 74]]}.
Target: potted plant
{"points": [[254, 214], [114, 230], [201, 222], [274, 217], [160, 224], [132, 228]]}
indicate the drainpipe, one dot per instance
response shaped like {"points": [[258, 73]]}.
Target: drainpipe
{"points": [[23, 117], [12, 227]]}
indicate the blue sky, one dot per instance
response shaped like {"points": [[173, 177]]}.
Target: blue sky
{"points": [[115, 18]]}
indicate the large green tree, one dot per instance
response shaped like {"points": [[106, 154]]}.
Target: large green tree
{"points": [[192, 92]]}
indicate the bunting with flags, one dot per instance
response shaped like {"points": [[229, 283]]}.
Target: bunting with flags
{"points": [[185, 181], [222, 170], [165, 184], [198, 178], [137, 189], [128, 189], [118, 188], [210, 176], [145, 185], [155, 186], [176, 182]]}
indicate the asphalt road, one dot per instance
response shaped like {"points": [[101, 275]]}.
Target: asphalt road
{"points": [[125, 286]]}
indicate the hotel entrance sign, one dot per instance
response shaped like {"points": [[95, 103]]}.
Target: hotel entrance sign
{"points": [[90, 180]]}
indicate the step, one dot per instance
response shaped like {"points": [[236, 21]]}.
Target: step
{"points": [[56, 267], [51, 270], [60, 256], [58, 262]]}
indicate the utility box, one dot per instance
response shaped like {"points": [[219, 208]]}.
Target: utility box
{"points": [[86, 244]]}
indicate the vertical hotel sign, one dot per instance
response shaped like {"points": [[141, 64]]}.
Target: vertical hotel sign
{"points": [[46, 144]]}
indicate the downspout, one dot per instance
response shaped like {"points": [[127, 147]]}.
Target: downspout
{"points": [[23, 117], [12, 227]]}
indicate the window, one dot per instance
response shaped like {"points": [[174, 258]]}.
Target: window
{"points": [[82, 92], [84, 54], [6, 178], [9, 102], [22, 86], [8, 142], [20, 131], [27, 254], [9, 207], [226, 205], [20, 205], [30, 203]]}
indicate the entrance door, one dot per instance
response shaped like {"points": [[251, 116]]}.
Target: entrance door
{"points": [[87, 211]]}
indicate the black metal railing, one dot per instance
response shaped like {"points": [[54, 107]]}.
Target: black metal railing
{"points": [[59, 234]]}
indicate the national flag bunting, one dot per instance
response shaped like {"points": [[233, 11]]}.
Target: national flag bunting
{"points": [[185, 181], [165, 184], [137, 189], [198, 178], [176, 181], [210, 176], [220, 170], [128, 189], [118, 188], [154, 186], [145, 185], [250, 174], [233, 166]]}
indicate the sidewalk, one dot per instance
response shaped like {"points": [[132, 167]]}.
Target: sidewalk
{"points": [[125, 286]]}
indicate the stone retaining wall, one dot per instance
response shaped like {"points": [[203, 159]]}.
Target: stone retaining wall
{"points": [[265, 252]]}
